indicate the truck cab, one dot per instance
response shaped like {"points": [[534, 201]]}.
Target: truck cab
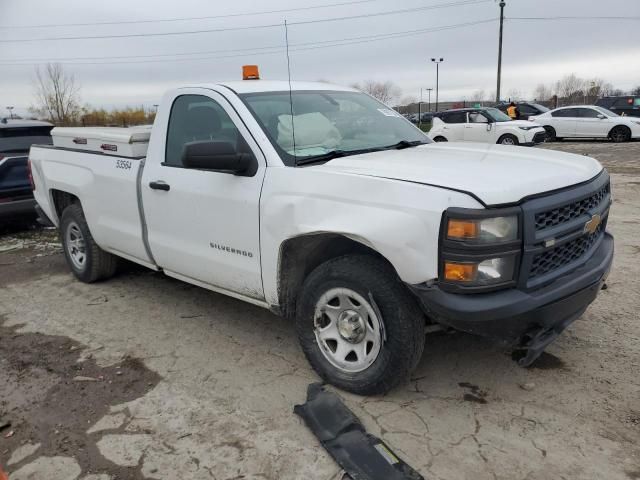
{"points": [[325, 206]]}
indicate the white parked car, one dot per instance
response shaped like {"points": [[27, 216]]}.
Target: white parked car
{"points": [[588, 121], [485, 125], [343, 217]]}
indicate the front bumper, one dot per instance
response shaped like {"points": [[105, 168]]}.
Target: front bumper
{"points": [[529, 320], [537, 137]]}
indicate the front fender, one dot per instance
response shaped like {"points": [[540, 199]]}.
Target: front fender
{"points": [[399, 220]]}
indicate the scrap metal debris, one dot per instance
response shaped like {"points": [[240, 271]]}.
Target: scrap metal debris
{"points": [[360, 454]]}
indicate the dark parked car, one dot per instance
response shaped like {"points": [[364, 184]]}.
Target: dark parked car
{"points": [[16, 137], [628, 105], [527, 109]]}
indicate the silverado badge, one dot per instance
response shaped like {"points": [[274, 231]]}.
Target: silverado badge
{"points": [[592, 225]]}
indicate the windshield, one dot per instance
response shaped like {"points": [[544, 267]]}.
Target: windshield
{"points": [[606, 112], [497, 115], [542, 108], [329, 121]]}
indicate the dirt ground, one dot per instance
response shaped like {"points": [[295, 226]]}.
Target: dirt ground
{"points": [[144, 377]]}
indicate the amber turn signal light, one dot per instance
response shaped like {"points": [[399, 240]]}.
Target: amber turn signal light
{"points": [[250, 72], [462, 229], [460, 272]]}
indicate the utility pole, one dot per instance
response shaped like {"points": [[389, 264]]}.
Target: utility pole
{"points": [[429, 90], [502, 4], [437, 62], [420, 110]]}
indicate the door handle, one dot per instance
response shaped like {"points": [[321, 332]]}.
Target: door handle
{"points": [[159, 185]]}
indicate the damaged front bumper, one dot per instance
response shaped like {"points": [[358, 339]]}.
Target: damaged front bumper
{"points": [[520, 319]]}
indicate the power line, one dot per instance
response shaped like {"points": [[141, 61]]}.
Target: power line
{"points": [[228, 29], [280, 48], [183, 19], [573, 18]]}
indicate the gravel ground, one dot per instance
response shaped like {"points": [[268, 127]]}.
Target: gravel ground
{"points": [[144, 377]]}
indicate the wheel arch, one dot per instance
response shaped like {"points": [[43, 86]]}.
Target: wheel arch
{"points": [[61, 200], [300, 255]]}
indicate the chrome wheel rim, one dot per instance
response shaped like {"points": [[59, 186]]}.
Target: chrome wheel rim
{"points": [[348, 330], [76, 249], [508, 141]]}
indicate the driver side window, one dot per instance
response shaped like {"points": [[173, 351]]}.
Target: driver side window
{"points": [[195, 118], [477, 117]]}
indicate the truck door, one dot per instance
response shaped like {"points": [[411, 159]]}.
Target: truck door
{"points": [[203, 225]]}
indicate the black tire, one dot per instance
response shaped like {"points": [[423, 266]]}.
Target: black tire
{"points": [[551, 133], [510, 139], [402, 322], [440, 139], [97, 264], [620, 134]]}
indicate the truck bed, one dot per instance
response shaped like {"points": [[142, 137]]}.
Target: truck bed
{"points": [[116, 223]]}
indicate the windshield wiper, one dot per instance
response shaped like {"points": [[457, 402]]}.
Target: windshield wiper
{"points": [[404, 144], [325, 157]]}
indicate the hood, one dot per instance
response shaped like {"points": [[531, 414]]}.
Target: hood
{"points": [[495, 174]]}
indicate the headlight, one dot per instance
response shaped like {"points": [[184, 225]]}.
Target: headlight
{"points": [[480, 249], [487, 272], [483, 230], [528, 128]]}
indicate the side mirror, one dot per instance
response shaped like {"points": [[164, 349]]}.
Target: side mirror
{"points": [[489, 126], [218, 156], [601, 116]]}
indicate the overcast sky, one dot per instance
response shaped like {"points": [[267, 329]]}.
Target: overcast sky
{"points": [[534, 50]]}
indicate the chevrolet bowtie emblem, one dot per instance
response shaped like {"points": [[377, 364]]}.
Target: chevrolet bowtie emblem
{"points": [[592, 225]]}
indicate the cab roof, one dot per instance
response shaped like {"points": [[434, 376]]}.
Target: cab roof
{"points": [[258, 86]]}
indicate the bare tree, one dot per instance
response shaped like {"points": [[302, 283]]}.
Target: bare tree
{"points": [[636, 91], [57, 95], [386, 92], [570, 87], [479, 95], [515, 94], [543, 92]]}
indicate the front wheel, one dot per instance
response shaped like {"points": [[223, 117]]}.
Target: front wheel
{"points": [[551, 133], [359, 327], [440, 139], [87, 260], [508, 139]]}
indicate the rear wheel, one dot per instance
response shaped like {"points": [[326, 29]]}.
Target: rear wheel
{"points": [[620, 134], [359, 327], [87, 260], [440, 139], [508, 139]]}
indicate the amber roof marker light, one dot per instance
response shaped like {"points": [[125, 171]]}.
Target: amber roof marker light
{"points": [[250, 72]]}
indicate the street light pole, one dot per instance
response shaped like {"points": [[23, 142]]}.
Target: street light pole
{"points": [[429, 90], [502, 4], [437, 62], [10, 112]]}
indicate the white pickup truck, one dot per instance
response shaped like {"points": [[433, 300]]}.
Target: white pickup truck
{"points": [[324, 205]]}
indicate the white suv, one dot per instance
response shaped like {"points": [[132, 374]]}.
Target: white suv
{"points": [[588, 121], [485, 125]]}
